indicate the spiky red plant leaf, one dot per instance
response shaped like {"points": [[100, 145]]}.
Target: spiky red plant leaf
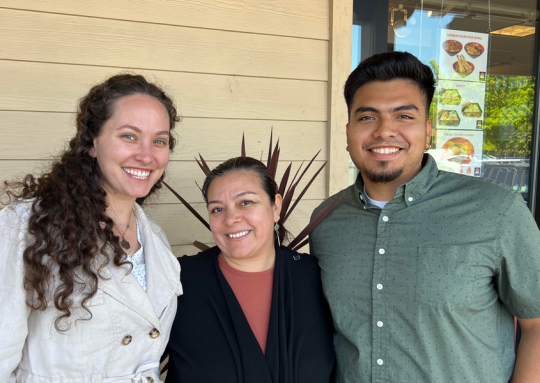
{"points": [[272, 169], [201, 246], [303, 192], [205, 171], [284, 180], [286, 203], [296, 174], [313, 223], [206, 165], [188, 206], [270, 148], [299, 246]]}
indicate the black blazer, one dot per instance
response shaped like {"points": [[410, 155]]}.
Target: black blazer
{"points": [[211, 340]]}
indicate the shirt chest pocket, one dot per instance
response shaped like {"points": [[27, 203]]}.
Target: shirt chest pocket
{"points": [[445, 275]]}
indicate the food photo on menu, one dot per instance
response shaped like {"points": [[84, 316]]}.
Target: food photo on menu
{"points": [[460, 104], [459, 151], [463, 55]]}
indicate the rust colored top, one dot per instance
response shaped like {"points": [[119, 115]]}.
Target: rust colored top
{"points": [[254, 293]]}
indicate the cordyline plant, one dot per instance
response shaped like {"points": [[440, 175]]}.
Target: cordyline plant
{"points": [[286, 192]]}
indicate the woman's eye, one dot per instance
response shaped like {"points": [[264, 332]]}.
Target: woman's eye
{"points": [[128, 136], [216, 210], [244, 203], [161, 142]]}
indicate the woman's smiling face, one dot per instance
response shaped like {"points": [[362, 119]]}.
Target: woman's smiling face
{"points": [[132, 149], [242, 217]]}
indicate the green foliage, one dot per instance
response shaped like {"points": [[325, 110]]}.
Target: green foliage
{"points": [[508, 114], [508, 118]]}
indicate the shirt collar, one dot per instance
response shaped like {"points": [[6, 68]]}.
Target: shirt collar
{"points": [[411, 191]]}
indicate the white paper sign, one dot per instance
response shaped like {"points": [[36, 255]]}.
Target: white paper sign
{"points": [[460, 104], [459, 151], [463, 55]]}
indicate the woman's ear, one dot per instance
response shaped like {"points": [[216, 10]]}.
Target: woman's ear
{"points": [[277, 207], [92, 152]]}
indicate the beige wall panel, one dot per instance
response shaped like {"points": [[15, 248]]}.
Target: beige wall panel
{"points": [[197, 95], [302, 18], [15, 170], [39, 135], [36, 36], [182, 228], [181, 175]]}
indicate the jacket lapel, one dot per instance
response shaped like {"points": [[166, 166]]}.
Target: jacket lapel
{"points": [[162, 276]]}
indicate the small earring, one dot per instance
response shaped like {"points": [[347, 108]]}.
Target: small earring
{"points": [[276, 229]]}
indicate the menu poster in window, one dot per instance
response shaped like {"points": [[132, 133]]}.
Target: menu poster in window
{"points": [[459, 151], [460, 104], [463, 55]]}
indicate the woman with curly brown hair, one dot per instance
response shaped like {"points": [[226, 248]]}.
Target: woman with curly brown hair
{"points": [[88, 282]]}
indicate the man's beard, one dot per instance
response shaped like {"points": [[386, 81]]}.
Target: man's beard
{"points": [[382, 176]]}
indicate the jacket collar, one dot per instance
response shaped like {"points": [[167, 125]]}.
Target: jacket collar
{"points": [[162, 274], [409, 192]]}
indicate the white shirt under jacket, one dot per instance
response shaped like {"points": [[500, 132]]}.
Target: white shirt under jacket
{"points": [[119, 344]]}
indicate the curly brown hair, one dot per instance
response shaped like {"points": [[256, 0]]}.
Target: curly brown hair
{"points": [[68, 217]]}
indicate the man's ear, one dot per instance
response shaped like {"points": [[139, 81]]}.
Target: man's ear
{"points": [[428, 134]]}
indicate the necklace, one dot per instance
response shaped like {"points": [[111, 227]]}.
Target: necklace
{"points": [[124, 243]]}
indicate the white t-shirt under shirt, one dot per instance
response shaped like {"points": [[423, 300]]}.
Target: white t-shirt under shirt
{"points": [[380, 204]]}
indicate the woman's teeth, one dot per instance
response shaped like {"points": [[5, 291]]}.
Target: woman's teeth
{"points": [[138, 174], [385, 150], [238, 235]]}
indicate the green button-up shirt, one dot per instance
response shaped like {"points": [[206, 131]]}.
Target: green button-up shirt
{"points": [[425, 289]]}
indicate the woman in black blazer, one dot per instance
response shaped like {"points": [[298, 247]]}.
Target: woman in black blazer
{"points": [[211, 339]]}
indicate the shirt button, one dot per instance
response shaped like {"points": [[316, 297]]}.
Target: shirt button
{"points": [[361, 197], [364, 208], [385, 219], [126, 340], [380, 362], [381, 251], [410, 199], [149, 380], [379, 287], [154, 333], [380, 324]]}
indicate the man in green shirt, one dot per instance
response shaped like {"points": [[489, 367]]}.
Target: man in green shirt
{"points": [[423, 269]]}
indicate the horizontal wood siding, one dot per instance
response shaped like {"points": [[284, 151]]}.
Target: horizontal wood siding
{"points": [[241, 66], [36, 36], [298, 18]]}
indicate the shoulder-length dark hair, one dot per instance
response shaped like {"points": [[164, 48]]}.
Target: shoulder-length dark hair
{"points": [[247, 164], [68, 219]]}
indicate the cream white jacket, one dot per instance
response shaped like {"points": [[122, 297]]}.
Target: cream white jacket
{"points": [[126, 336]]}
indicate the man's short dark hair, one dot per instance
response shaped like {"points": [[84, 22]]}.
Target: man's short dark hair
{"points": [[387, 67]]}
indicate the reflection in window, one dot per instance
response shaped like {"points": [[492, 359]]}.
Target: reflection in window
{"points": [[482, 55]]}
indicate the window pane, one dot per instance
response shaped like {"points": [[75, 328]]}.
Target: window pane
{"points": [[482, 55]]}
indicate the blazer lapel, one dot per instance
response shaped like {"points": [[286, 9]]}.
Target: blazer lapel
{"points": [[162, 267], [127, 290], [162, 276]]}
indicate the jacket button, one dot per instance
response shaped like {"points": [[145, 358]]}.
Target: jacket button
{"points": [[154, 333], [149, 380], [126, 340]]}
